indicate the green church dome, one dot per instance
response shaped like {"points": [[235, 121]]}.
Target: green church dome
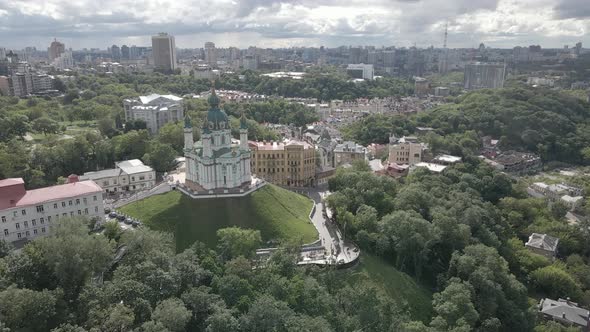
{"points": [[216, 117]]}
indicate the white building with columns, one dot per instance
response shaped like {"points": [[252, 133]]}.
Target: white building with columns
{"points": [[214, 163]]}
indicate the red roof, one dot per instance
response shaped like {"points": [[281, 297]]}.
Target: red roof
{"points": [[41, 195]]}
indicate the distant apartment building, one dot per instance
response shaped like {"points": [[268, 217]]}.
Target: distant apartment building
{"points": [[421, 86], [480, 75], [210, 54], [348, 152], [127, 176], [4, 86], [28, 214], [164, 52], [289, 163], [155, 110], [406, 150], [55, 50], [360, 71]]}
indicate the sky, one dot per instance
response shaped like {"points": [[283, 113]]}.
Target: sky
{"points": [[287, 23]]}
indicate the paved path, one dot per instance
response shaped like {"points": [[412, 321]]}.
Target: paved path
{"points": [[338, 249]]}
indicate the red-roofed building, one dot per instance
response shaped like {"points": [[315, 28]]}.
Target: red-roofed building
{"points": [[27, 214]]}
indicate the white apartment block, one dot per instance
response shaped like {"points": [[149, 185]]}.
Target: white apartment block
{"points": [[156, 110], [127, 176], [28, 214]]}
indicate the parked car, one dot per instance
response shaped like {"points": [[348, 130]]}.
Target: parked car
{"points": [[121, 217], [113, 215], [135, 223], [128, 221], [107, 210]]}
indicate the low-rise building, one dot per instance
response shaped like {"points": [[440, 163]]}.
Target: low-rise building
{"points": [[348, 152], [155, 110], [515, 162], [406, 150], [27, 214], [394, 170], [128, 175], [288, 163], [565, 312], [434, 168], [543, 244]]}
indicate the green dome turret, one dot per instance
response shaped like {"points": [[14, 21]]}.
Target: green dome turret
{"points": [[216, 117], [243, 121], [213, 100], [187, 121]]}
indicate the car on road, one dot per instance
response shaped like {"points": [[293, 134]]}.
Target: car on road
{"points": [[113, 215], [355, 249]]}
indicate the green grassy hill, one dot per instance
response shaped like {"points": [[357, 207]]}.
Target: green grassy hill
{"points": [[394, 284], [279, 214]]}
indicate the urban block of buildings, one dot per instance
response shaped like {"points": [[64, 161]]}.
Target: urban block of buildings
{"points": [[28, 214], [127, 176], [513, 161], [288, 163], [155, 110], [571, 196], [348, 152], [215, 162]]}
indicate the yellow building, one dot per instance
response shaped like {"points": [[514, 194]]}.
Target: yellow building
{"points": [[406, 150], [290, 163]]}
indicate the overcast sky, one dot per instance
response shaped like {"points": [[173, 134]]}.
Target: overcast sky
{"points": [[276, 23]]}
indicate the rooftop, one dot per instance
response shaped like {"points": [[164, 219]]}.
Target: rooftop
{"points": [[543, 241], [105, 173], [41, 195], [133, 166], [564, 310], [150, 98], [269, 146], [436, 168], [445, 158]]}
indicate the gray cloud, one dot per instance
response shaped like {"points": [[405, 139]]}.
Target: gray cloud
{"points": [[572, 9], [86, 23]]}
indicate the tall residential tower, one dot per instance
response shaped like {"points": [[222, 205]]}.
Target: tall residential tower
{"points": [[164, 52]]}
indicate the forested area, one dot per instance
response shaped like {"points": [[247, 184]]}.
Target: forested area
{"points": [[71, 281], [462, 233], [550, 123]]}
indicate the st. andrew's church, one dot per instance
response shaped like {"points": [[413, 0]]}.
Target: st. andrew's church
{"points": [[214, 162]]}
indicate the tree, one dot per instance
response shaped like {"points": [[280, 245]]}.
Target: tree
{"points": [[5, 248], [112, 230], [222, 321], [172, 314], [28, 310], [119, 319], [555, 282], [266, 314], [73, 255], [454, 308], [161, 157], [46, 126], [172, 134], [235, 241], [559, 209]]}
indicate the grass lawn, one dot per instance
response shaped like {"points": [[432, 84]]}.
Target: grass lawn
{"points": [[393, 284], [279, 214]]}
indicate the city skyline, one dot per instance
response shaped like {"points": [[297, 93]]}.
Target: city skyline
{"points": [[497, 23]]}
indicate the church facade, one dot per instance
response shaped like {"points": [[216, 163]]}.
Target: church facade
{"points": [[214, 162]]}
